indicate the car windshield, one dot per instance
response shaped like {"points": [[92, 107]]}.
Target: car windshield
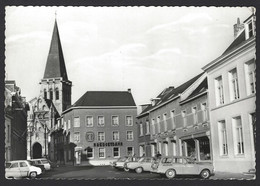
{"points": [[142, 159], [45, 161], [7, 165]]}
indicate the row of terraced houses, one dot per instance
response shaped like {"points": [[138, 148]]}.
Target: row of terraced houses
{"points": [[210, 117]]}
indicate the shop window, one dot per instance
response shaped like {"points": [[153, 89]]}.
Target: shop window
{"points": [[129, 121], [101, 121], [101, 152], [89, 121], [223, 138], [234, 91], [238, 135], [90, 152], [219, 91], [204, 148], [116, 152], [130, 151], [129, 136]]}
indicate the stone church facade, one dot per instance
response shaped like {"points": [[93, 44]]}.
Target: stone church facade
{"points": [[45, 109]]}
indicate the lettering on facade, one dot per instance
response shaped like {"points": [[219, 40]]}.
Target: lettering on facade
{"points": [[109, 144]]}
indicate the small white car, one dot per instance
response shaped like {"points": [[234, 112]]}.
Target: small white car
{"points": [[144, 164], [20, 169], [42, 161]]}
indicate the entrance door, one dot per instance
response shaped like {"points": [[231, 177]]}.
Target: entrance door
{"points": [[37, 150]]}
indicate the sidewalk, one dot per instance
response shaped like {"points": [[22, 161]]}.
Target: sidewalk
{"points": [[233, 176]]}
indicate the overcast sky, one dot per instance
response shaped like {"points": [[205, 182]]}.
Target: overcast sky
{"points": [[145, 49]]}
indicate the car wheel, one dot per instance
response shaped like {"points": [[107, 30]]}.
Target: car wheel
{"points": [[205, 174], [170, 173], [33, 175], [139, 170], [126, 169]]}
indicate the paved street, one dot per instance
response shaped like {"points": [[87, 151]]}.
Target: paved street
{"points": [[107, 172]]}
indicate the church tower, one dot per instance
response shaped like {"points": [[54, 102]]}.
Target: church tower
{"points": [[55, 84]]}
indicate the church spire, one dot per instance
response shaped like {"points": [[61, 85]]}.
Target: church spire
{"points": [[55, 66]]}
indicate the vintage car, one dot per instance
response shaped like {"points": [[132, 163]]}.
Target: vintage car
{"points": [[171, 166], [144, 164], [20, 169], [42, 161], [37, 165], [121, 162]]}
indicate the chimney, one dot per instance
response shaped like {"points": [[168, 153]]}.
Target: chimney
{"points": [[129, 90], [237, 28]]}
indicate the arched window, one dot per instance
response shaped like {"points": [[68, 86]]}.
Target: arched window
{"points": [[45, 94], [43, 107], [51, 94], [57, 94]]}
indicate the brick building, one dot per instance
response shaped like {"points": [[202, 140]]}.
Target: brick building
{"points": [[15, 122], [101, 125]]}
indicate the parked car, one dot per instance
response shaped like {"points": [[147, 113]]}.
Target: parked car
{"points": [[20, 169], [120, 164], [144, 164], [171, 166], [42, 161], [37, 165]]}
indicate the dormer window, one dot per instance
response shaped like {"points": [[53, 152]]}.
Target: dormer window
{"points": [[250, 27]]}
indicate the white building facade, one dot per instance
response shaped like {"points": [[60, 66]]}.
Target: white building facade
{"points": [[232, 103]]}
